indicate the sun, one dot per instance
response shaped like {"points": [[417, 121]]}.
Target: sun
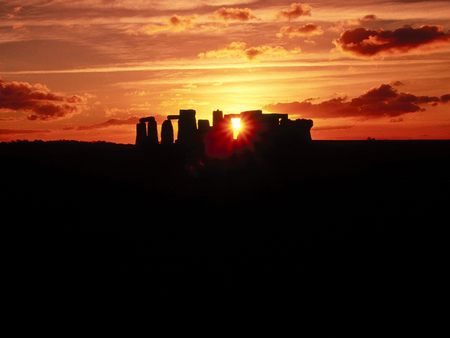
{"points": [[236, 126]]}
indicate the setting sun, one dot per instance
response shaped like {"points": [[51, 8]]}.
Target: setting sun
{"points": [[236, 126]]}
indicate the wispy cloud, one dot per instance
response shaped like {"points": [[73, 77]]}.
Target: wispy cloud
{"points": [[22, 131], [174, 24], [241, 50], [110, 123], [336, 127]]}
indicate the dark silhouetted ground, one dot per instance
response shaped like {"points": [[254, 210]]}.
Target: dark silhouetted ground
{"points": [[332, 220]]}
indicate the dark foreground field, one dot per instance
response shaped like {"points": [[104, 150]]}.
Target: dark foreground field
{"points": [[330, 220]]}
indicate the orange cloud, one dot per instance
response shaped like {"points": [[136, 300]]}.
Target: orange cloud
{"points": [[383, 101], [240, 14], [295, 10], [241, 50], [343, 25], [175, 24], [14, 12], [37, 100], [366, 43], [178, 21], [309, 29]]}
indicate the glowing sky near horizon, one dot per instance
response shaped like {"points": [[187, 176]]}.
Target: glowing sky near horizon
{"points": [[88, 69]]}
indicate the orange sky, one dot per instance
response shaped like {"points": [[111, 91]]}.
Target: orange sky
{"points": [[88, 69]]}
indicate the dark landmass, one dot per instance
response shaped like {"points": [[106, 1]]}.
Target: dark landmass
{"points": [[328, 219]]}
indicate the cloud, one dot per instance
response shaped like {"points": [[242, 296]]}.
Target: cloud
{"points": [[118, 122], [295, 10], [445, 98], [177, 23], [239, 49], [369, 17], [21, 131], [18, 26], [158, 5], [308, 30], [240, 14], [396, 120], [37, 100], [383, 101], [366, 43], [111, 123], [397, 83], [343, 25], [174, 24], [14, 12], [182, 22], [338, 127]]}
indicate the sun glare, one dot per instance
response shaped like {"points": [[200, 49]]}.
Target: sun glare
{"points": [[236, 125]]}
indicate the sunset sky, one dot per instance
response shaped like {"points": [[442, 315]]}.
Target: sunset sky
{"points": [[88, 69]]}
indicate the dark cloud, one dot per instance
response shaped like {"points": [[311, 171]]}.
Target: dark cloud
{"points": [[397, 83], [295, 10], [396, 120], [445, 98], [37, 100], [383, 101], [21, 131], [367, 43], [110, 123], [369, 17], [241, 14]]}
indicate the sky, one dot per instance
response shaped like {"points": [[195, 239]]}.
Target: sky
{"points": [[89, 69]]}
